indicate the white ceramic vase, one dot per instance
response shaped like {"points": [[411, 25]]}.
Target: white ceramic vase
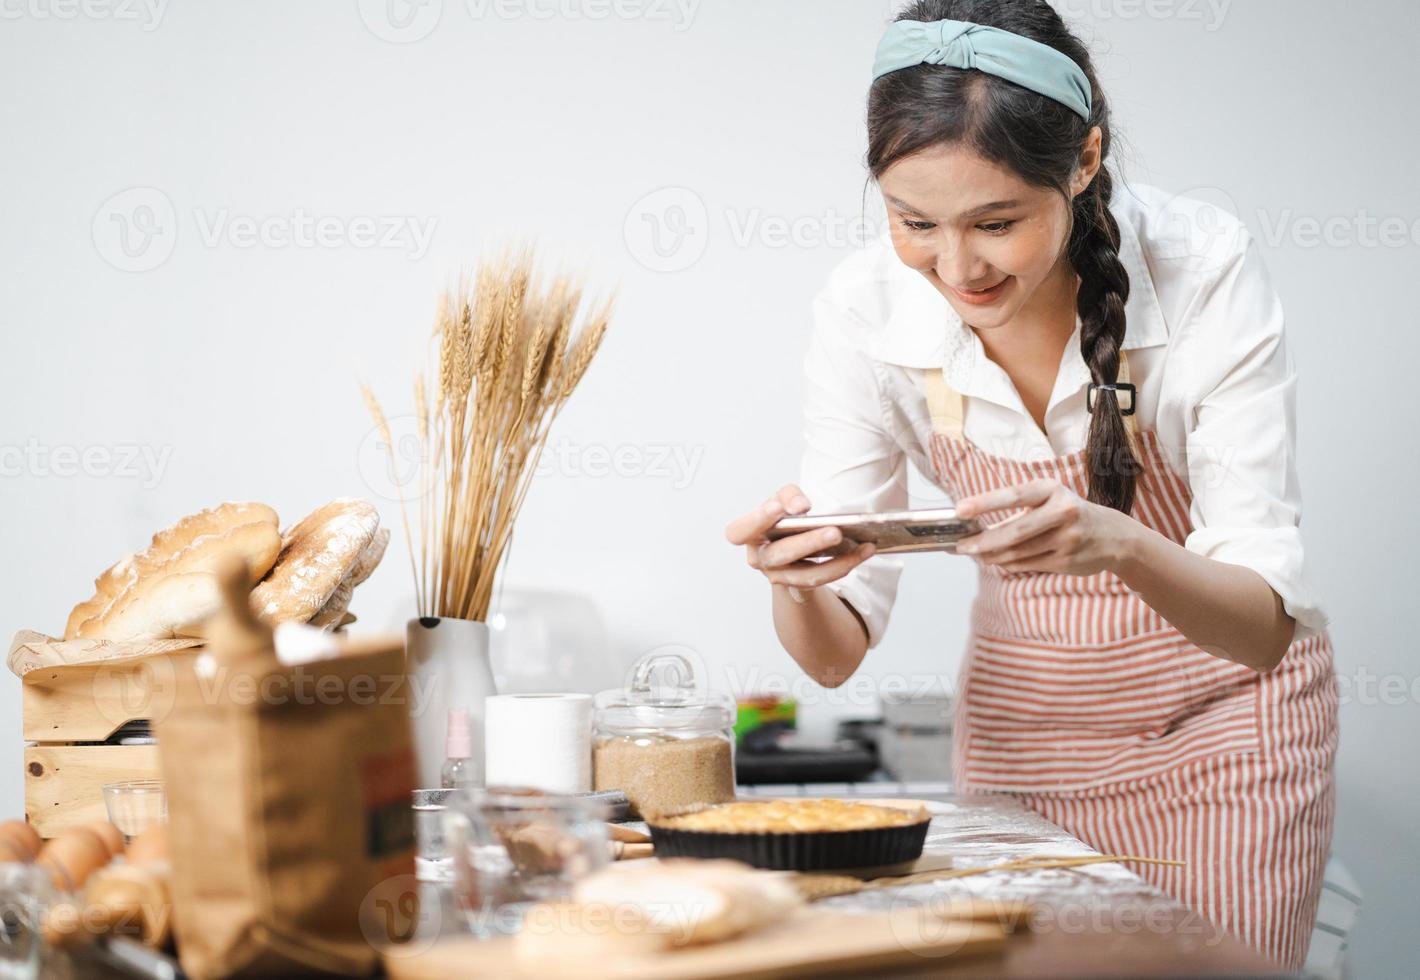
{"points": [[449, 667]]}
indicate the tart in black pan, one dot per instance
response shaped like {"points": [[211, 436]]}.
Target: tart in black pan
{"points": [[795, 835]]}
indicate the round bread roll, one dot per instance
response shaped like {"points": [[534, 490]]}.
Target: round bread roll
{"points": [[330, 615], [132, 900], [370, 558], [316, 555], [114, 587]]}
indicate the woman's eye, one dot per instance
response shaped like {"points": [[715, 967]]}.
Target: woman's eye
{"points": [[917, 225], [996, 227]]}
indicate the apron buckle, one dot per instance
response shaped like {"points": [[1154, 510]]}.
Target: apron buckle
{"points": [[1116, 388]]}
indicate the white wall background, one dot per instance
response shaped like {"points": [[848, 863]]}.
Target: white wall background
{"points": [[236, 364]]}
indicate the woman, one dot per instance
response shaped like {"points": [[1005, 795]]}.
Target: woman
{"points": [[1148, 667]]}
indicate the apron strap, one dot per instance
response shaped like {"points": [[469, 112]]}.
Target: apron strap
{"points": [[945, 405], [948, 408], [1131, 422]]}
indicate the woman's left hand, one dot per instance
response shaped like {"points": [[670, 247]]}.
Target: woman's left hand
{"points": [[1059, 531]]}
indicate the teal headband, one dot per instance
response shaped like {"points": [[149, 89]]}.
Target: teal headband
{"points": [[962, 44]]}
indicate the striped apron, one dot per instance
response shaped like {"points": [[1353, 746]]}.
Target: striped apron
{"points": [[1079, 698]]}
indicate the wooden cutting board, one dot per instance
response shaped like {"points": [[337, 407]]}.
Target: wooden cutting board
{"points": [[813, 942]]}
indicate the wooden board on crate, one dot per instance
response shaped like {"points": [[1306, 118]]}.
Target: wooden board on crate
{"points": [[813, 943], [88, 702], [64, 783]]}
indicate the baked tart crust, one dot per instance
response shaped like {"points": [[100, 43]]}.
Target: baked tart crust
{"points": [[793, 817]]}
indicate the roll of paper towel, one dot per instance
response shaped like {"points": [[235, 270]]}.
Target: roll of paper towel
{"points": [[542, 741]]}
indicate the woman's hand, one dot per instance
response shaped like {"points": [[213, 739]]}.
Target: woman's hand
{"points": [[1059, 531], [822, 632], [783, 561]]}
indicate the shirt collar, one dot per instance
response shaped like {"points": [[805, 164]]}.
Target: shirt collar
{"points": [[924, 331]]}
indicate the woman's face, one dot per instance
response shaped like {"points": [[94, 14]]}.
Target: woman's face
{"points": [[983, 237]]}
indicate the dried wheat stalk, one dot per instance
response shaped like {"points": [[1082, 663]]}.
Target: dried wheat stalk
{"points": [[511, 350]]}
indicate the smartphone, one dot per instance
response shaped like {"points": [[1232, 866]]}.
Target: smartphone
{"points": [[892, 533]]}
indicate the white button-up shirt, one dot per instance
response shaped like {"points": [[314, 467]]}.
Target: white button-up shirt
{"points": [[1205, 347]]}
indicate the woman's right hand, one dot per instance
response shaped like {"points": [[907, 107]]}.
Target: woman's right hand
{"points": [[784, 562]]}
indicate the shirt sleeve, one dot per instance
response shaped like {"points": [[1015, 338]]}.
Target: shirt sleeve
{"points": [[1241, 449], [851, 463]]}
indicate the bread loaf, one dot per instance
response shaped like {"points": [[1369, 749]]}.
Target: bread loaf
{"points": [[167, 607], [648, 907], [370, 558], [694, 901], [316, 556], [212, 521], [172, 597], [132, 900], [110, 583], [129, 899], [114, 586], [329, 616], [559, 936]]}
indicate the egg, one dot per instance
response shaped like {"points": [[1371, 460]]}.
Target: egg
{"points": [[10, 854], [21, 837], [151, 845], [109, 834], [72, 857]]}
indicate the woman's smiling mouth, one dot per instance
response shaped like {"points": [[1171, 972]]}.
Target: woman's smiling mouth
{"points": [[982, 296]]}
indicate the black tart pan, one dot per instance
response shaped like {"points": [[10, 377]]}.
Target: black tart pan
{"points": [[826, 850]]}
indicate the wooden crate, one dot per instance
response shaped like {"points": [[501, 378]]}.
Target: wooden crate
{"points": [[64, 783], [69, 707]]}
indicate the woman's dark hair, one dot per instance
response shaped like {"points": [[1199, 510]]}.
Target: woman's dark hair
{"points": [[1040, 140]]}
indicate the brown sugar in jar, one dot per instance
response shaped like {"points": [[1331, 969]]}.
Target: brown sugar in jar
{"points": [[662, 740], [660, 773]]}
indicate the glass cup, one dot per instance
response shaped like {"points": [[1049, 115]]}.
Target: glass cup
{"points": [[513, 847], [26, 895], [431, 859], [135, 805]]}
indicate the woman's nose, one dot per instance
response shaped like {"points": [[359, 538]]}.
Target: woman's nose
{"points": [[955, 266]]}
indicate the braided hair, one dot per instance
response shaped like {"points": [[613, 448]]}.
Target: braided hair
{"points": [[1040, 140]]}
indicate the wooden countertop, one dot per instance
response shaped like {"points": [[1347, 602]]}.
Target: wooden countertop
{"points": [[1101, 920]]}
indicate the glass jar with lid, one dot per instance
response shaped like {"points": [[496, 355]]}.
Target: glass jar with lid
{"points": [[664, 740]]}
